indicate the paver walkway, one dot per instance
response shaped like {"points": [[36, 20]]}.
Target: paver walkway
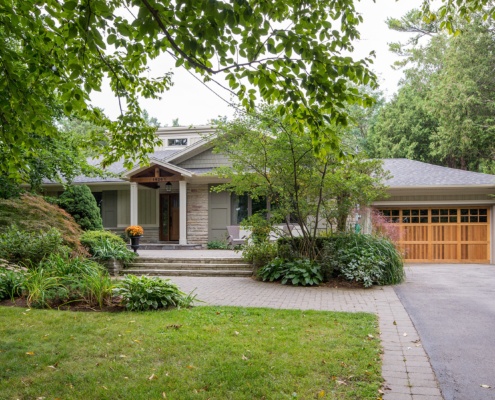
{"points": [[406, 368]]}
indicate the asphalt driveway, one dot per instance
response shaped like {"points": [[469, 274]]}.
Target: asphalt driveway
{"points": [[453, 308]]}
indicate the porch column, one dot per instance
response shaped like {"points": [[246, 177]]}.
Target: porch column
{"points": [[182, 212], [134, 203]]}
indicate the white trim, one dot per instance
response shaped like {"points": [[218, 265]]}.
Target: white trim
{"points": [[156, 161], [134, 203], [182, 212], [178, 130], [492, 236]]}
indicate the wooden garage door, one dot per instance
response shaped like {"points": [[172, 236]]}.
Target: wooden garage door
{"points": [[443, 234]]}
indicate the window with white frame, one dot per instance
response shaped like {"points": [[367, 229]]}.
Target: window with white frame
{"points": [[177, 142]]}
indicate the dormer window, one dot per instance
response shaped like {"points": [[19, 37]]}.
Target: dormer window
{"points": [[177, 142]]}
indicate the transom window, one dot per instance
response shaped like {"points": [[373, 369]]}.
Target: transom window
{"points": [[177, 142], [436, 215]]}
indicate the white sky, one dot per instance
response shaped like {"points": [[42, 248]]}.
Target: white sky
{"points": [[194, 104]]}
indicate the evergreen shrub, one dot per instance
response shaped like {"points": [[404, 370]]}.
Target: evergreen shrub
{"points": [[79, 202]]}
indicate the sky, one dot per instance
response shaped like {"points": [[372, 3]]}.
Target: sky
{"points": [[193, 104]]}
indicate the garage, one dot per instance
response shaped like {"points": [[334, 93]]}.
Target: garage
{"points": [[442, 234]]}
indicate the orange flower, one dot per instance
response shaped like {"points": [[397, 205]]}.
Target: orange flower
{"points": [[134, 230]]}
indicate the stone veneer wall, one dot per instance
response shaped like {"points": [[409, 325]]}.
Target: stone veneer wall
{"points": [[197, 214]]}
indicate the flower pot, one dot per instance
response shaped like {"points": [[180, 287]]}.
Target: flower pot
{"points": [[135, 243]]}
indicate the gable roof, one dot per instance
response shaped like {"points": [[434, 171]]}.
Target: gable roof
{"points": [[409, 173]]}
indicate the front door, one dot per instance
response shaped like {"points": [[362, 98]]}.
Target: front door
{"points": [[169, 217]]}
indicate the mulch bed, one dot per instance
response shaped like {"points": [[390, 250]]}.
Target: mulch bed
{"points": [[114, 306]]}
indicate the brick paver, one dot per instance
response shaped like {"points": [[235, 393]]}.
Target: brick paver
{"points": [[406, 368]]}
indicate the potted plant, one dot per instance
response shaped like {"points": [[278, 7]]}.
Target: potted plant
{"points": [[134, 232]]}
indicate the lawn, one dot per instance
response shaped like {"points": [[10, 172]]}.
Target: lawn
{"points": [[199, 353]]}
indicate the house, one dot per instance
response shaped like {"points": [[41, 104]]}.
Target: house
{"points": [[444, 215]]}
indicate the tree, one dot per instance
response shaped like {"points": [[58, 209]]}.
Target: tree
{"points": [[443, 111], [55, 54], [81, 204], [270, 160], [451, 11]]}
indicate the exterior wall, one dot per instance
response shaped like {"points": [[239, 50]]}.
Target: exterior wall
{"points": [[147, 207], [206, 159], [219, 215], [123, 208], [197, 214]]}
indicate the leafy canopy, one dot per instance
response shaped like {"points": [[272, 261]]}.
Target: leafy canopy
{"points": [[443, 111], [270, 160], [55, 54]]}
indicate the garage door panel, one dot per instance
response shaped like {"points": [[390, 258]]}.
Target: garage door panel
{"points": [[442, 252], [414, 233], [459, 234], [444, 233], [474, 252], [415, 251], [474, 233]]}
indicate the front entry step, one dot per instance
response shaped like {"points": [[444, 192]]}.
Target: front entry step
{"points": [[167, 246], [189, 267]]}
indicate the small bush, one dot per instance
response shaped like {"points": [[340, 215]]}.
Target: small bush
{"points": [[364, 258], [12, 280], [217, 245], [259, 253], [43, 289], [302, 272], [33, 214], [29, 248], [104, 245], [79, 202], [110, 250], [144, 293], [90, 238], [60, 280]]}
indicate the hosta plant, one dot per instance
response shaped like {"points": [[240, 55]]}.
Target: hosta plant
{"points": [[297, 272], [145, 293]]}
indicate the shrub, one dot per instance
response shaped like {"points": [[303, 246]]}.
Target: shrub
{"points": [[12, 280], [363, 258], [103, 245], [43, 289], [90, 238], [259, 253], [302, 272], [60, 280], [259, 226], [144, 293], [217, 244], [106, 249], [81, 204], [29, 248], [33, 214]]}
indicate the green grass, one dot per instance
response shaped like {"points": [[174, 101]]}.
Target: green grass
{"points": [[199, 353]]}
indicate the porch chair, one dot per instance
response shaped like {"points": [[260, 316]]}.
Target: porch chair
{"points": [[234, 233]]}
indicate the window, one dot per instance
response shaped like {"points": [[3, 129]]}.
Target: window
{"points": [[474, 215], [177, 142], [244, 206], [444, 215]]}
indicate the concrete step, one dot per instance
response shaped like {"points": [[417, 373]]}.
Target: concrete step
{"points": [[203, 261], [187, 265], [186, 272], [167, 246]]}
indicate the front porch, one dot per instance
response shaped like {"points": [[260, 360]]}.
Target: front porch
{"points": [[171, 207]]}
